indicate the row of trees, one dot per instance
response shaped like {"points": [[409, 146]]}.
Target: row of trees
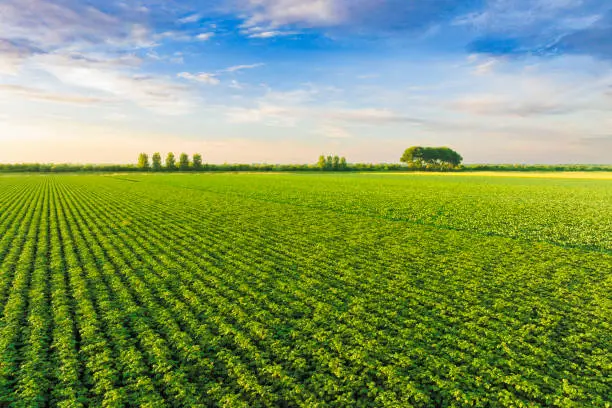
{"points": [[332, 163], [415, 158], [238, 167], [155, 164]]}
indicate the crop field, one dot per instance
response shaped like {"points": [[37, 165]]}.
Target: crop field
{"points": [[305, 290]]}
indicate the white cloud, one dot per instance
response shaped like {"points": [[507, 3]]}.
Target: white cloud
{"points": [[373, 116], [504, 15], [203, 77], [90, 53], [212, 78], [505, 106], [40, 95], [236, 68], [205, 36], [151, 92], [182, 36], [194, 18], [176, 58], [335, 132], [271, 34], [291, 107], [52, 23], [236, 85], [368, 76], [283, 12], [486, 67], [525, 89]]}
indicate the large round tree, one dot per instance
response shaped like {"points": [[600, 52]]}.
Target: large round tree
{"points": [[434, 156]]}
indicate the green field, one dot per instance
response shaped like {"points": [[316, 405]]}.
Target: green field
{"points": [[309, 290]]}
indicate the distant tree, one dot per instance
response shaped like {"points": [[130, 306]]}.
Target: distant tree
{"points": [[329, 163], [157, 162], [431, 156], [143, 162], [183, 162], [336, 163], [170, 162], [321, 163], [197, 161], [343, 165]]}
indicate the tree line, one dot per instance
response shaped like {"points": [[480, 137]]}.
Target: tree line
{"points": [[184, 162], [154, 163], [332, 163], [415, 158]]}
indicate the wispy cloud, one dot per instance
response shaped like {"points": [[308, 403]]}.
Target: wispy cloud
{"points": [[147, 91], [236, 85], [211, 78], [486, 67], [89, 52], [237, 68], [182, 36], [35, 94], [374, 116], [203, 77], [193, 18], [289, 108], [266, 31], [283, 12], [334, 132], [542, 27], [51, 23], [495, 105], [205, 36], [368, 76], [537, 90], [352, 16], [271, 34]]}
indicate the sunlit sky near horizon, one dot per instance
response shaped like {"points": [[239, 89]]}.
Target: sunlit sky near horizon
{"points": [[282, 81]]}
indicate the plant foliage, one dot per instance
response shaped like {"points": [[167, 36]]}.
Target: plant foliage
{"points": [[304, 290]]}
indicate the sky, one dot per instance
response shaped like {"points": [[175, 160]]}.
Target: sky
{"points": [[283, 81]]}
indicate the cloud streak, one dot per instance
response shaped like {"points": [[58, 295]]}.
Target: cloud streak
{"points": [[237, 68], [494, 105], [119, 81], [362, 16], [541, 27], [203, 77], [40, 95], [48, 24], [212, 78]]}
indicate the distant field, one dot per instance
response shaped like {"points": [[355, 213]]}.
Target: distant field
{"points": [[305, 289], [602, 175]]}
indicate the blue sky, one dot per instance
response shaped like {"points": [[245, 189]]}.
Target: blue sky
{"points": [[283, 81]]}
